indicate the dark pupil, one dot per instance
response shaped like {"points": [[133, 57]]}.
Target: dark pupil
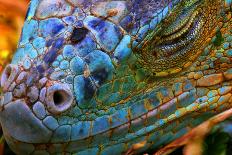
{"points": [[78, 34]]}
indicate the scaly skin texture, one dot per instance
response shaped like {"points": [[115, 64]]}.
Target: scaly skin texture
{"points": [[101, 77]]}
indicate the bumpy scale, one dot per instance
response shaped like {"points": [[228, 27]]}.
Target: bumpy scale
{"points": [[101, 77]]}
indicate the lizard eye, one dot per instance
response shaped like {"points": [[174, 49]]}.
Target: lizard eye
{"points": [[178, 37], [177, 41], [78, 35]]}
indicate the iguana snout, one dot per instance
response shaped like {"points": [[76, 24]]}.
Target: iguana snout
{"points": [[27, 99], [27, 85]]}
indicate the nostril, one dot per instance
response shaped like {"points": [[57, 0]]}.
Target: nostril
{"points": [[59, 98], [9, 75]]}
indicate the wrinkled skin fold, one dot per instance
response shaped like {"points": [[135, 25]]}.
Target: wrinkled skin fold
{"points": [[100, 77]]}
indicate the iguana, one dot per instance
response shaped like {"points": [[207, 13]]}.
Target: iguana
{"points": [[115, 77]]}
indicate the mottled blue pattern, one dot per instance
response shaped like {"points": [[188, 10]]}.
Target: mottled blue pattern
{"points": [[98, 77]]}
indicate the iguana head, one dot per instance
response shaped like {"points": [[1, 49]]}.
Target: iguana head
{"points": [[95, 77]]}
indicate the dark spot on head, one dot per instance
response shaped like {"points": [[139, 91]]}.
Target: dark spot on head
{"points": [[100, 75], [31, 39], [89, 89], [78, 34]]}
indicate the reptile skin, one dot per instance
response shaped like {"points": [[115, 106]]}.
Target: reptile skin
{"points": [[98, 77]]}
